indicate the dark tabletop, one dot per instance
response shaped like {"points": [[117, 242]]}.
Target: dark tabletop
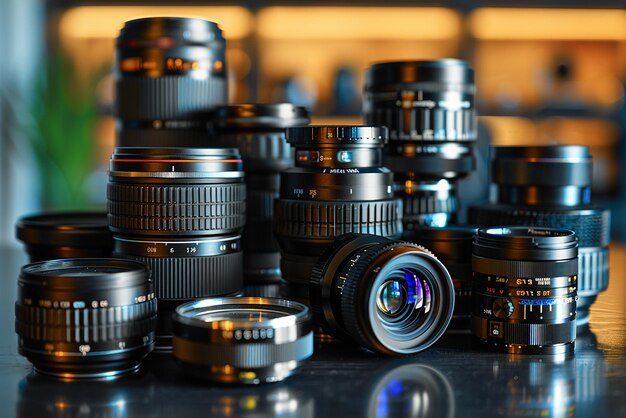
{"points": [[453, 378]]}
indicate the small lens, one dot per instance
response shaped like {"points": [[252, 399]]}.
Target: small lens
{"points": [[392, 298]]}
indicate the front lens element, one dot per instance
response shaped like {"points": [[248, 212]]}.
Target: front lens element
{"points": [[392, 298]]}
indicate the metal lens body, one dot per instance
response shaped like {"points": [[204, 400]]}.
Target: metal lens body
{"points": [[85, 318], [452, 245], [549, 186], [181, 211], [169, 72], [258, 131], [242, 340], [54, 235], [338, 185], [524, 289], [428, 107], [388, 296]]}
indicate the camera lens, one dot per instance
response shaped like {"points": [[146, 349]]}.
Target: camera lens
{"points": [[169, 73], [388, 296], [524, 289], [242, 340], [180, 211], [337, 186], [85, 317], [549, 186], [50, 236], [452, 245], [258, 131], [428, 107]]}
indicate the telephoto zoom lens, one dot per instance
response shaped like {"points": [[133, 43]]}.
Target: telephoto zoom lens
{"points": [[337, 186], [258, 131], [391, 297], [85, 317], [169, 73], [181, 211], [524, 289], [247, 340], [50, 236], [550, 186], [428, 107], [452, 245]]}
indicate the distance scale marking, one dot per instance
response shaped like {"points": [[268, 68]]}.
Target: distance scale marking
{"points": [[175, 248]]}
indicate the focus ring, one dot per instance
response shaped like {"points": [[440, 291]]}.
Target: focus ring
{"points": [[121, 223], [418, 206], [527, 334], [592, 225], [194, 277], [524, 269], [593, 271], [168, 97], [269, 146], [175, 195]]}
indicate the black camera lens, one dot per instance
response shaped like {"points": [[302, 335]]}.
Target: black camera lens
{"points": [[524, 289], [242, 340], [549, 186], [50, 236], [181, 211], [388, 296], [85, 317], [169, 72], [258, 131], [452, 245], [337, 186], [428, 107]]}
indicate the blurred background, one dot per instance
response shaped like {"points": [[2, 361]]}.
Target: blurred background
{"points": [[545, 73]]}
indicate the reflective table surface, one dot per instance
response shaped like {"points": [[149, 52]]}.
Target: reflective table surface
{"points": [[453, 378]]}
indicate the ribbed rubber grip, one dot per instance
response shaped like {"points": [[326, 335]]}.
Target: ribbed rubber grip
{"points": [[527, 334], [525, 269], [593, 271], [194, 277], [176, 195], [168, 97], [591, 224], [417, 205], [269, 146]]}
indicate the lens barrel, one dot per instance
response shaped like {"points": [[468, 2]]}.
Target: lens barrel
{"points": [[524, 289], [169, 73], [258, 131], [550, 186], [242, 340], [338, 185], [85, 318], [181, 211], [56, 235], [388, 296], [428, 107]]}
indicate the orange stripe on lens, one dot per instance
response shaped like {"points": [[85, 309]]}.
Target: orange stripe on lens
{"points": [[173, 161]]}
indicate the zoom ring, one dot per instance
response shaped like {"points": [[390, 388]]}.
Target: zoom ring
{"points": [[194, 277], [269, 146], [76, 318], [592, 225], [168, 97], [175, 195], [419, 206], [593, 271], [527, 334], [336, 215], [118, 223]]}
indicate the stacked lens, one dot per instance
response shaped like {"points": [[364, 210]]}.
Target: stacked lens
{"points": [[428, 107], [550, 186], [169, 73], [258, 131], [338, 185]]}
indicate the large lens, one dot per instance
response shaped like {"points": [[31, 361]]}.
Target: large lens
{"points": [[169, 73], [549, 186], [387, 296], [180, 211], [338, 186], [428, 107], [85, 318], [452, 245], [243, 340], [524, 289], [49, 236], [258, 130]]}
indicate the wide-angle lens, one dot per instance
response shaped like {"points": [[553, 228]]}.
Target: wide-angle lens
{"points": [[85, 317], [337, 186], [550, 186], [524, 289], [388, 296], [170, 71], [258, 131], [242, 340], [55, 235], [428, 107], [181, 211]]}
